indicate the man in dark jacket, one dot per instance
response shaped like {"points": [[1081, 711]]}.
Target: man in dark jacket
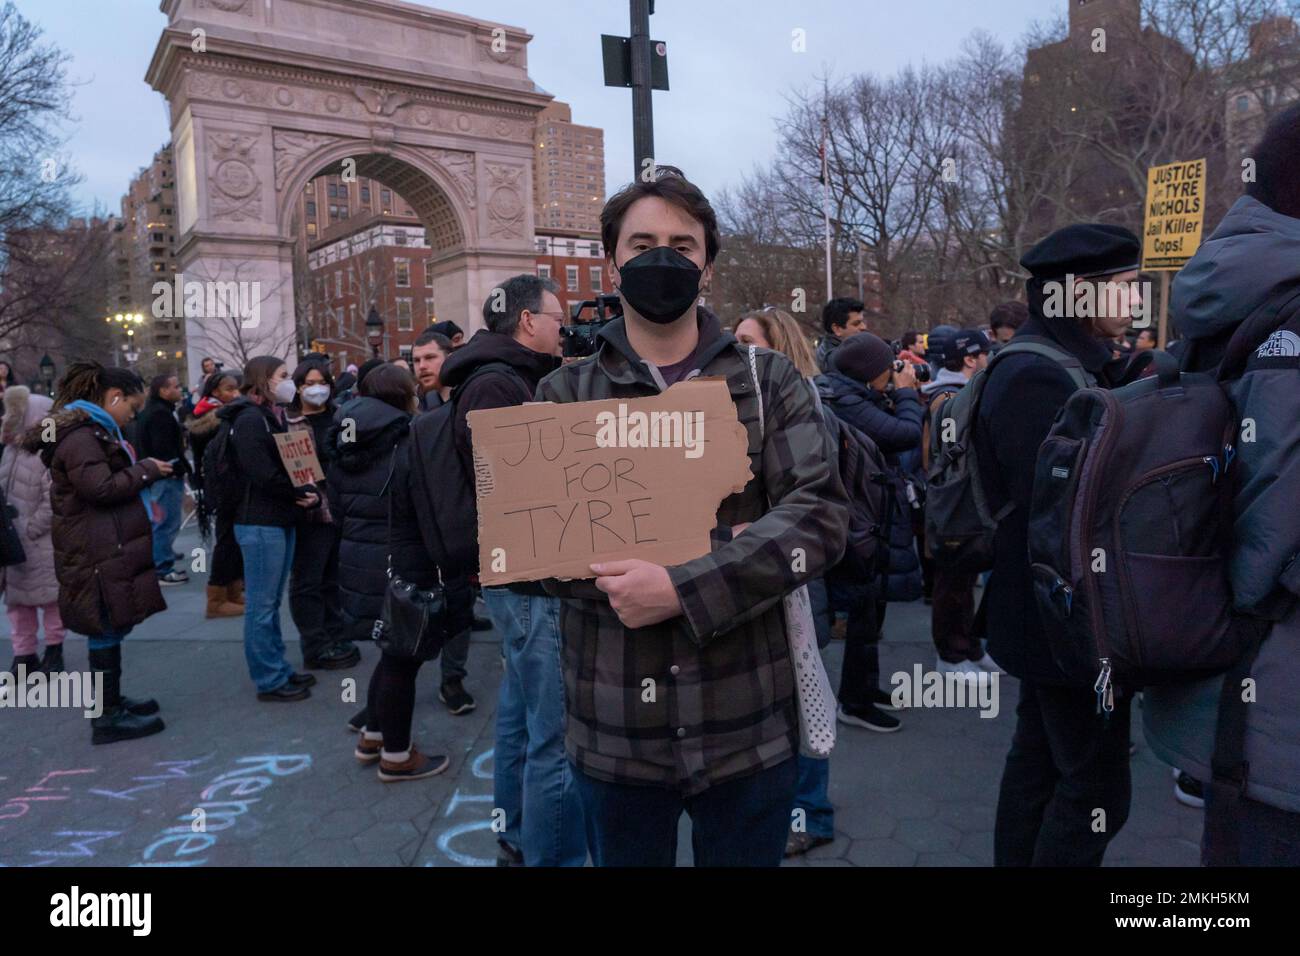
{"points": [[1066, 762], [500, 367], [1238, 301], [864, 389], [720, 738], [160, 436], [841, 319]]}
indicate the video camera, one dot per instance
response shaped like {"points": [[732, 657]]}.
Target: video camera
{"points": [[578, 339]]}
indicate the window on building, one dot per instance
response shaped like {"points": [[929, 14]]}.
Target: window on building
{"points": [[311, 228], [156, 236], [571, 278], [343, 212], [334, 191], [541, 244], [404, 315], [595, 278], [544, 272], [399, 238], [334, 213], [365, 192], [428, 311], [338, 284], [428, 273], [1243, 104], [370, 273], [386, 197], [402, 269], [571, 248], [311, 209]]}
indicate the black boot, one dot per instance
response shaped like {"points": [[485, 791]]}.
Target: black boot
{"points": [[116, 722], [30, 661], [52, 662], [144, 707]]}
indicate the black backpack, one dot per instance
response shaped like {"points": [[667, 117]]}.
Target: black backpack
{"points": [[222, 483], [1129, 533], [447, 506], [865, 477]]}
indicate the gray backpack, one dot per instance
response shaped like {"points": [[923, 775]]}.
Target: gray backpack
{"points": [[959, 522]]}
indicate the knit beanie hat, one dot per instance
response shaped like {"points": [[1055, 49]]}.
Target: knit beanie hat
{"points": [[863, 357]]}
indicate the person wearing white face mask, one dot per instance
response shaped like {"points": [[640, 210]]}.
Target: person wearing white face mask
{"points": [[265, 519], [313, 586]]}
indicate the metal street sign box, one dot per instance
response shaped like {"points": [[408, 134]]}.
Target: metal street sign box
{"points": [[617, 54]]}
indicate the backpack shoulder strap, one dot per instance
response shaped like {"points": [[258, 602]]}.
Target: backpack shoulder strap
{"points": [[1037, 345]]}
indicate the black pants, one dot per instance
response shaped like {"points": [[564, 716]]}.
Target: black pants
{"points": [[314, 588], [390, 700], [860, 672], [227, 560], [952, 617], [1267, 836], [1066, 786]]}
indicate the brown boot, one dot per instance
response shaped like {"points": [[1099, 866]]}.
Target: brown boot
{"points": [[218, 606], [416, 766], [235, 592]]}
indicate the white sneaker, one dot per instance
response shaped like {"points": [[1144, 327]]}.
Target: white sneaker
{"points": [[988, 664], [964, 667]]}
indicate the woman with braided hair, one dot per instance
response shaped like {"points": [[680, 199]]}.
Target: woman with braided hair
{"points": [[102, 533]]}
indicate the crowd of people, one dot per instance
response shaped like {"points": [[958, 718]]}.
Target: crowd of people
{"points": [[586, 766]]}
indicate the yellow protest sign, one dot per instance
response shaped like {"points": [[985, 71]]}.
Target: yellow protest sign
{"points": [[1175, 215]]}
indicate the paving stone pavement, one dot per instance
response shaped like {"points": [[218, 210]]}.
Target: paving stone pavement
{"points": [[278, 785]]}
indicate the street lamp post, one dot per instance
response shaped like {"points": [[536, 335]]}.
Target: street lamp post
{"points": [[375, 330], [47, 373]]}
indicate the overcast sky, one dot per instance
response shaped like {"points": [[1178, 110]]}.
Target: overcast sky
{"points": [[730, 66]]}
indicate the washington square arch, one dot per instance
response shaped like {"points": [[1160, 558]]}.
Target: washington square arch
{"points": [[265, 95]]}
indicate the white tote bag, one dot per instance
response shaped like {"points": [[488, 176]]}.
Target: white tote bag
{"points": [[813, 694]]}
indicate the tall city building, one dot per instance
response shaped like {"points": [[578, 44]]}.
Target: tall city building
{"points": [[568, 173], [1275, 72], [146, 254]]}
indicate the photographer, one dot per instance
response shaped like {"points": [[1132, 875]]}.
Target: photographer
{"points": [[876, 393]]}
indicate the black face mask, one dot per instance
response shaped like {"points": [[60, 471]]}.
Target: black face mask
{"points": [[660, 284]]}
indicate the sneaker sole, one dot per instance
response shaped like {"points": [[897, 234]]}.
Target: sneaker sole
{"points": [[1187, 800], [859, 722], [398, 777], [457, 711], [305, 695], [171, 584], [111, 737], [366, 758]]}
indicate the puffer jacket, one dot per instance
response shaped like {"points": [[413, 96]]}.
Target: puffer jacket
{"points": [[102, 535], [266, 495], [895, 426], [26, 484], [1250, 263], [360, 480]]}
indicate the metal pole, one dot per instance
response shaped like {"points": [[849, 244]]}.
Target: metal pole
{"points": [[1163, 333], [643, 129], [861, 296]]}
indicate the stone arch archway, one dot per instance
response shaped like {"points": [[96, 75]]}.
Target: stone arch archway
{"points": [[437, 107]]}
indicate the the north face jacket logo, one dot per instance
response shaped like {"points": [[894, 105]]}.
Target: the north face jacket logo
{"points": [[1280, 344]]}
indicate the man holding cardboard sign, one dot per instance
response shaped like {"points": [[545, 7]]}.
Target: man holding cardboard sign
{"points": [[678, 679]]}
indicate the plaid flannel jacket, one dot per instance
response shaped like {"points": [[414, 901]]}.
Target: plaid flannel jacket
{"points": [[724, 684]]}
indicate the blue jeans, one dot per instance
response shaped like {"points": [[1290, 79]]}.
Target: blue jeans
{"points": [[268, 558], [533, 783], [812, 797], [168, 493], [741, 822]]}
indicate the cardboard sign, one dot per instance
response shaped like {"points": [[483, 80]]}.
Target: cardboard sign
{"points": [[560, 486], [298, 452], [1175, 215]]}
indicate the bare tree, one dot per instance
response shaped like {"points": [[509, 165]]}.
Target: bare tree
{"points": [[231, 335]]}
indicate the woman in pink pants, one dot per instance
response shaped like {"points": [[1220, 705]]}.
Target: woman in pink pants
{"points": [[30, 589]]}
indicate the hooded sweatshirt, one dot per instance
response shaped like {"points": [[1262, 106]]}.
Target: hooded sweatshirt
{"points": [[1250, 267]]}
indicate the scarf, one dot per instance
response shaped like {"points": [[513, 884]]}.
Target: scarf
{"points": [[101, 417]]}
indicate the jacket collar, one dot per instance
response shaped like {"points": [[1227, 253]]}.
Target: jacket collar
{"points": [[620, 363]]}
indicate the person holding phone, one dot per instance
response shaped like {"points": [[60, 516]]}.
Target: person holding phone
{"points": [[102, 535], [265, 518], [159, 435]]}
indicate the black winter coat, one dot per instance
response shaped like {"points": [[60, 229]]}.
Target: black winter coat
{"points": [[895, 426], [102, 534], [362, 475], [266, 495], [159, 435]]}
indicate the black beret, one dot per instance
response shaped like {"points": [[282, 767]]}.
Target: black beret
{"points": [[1083, 250]]}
